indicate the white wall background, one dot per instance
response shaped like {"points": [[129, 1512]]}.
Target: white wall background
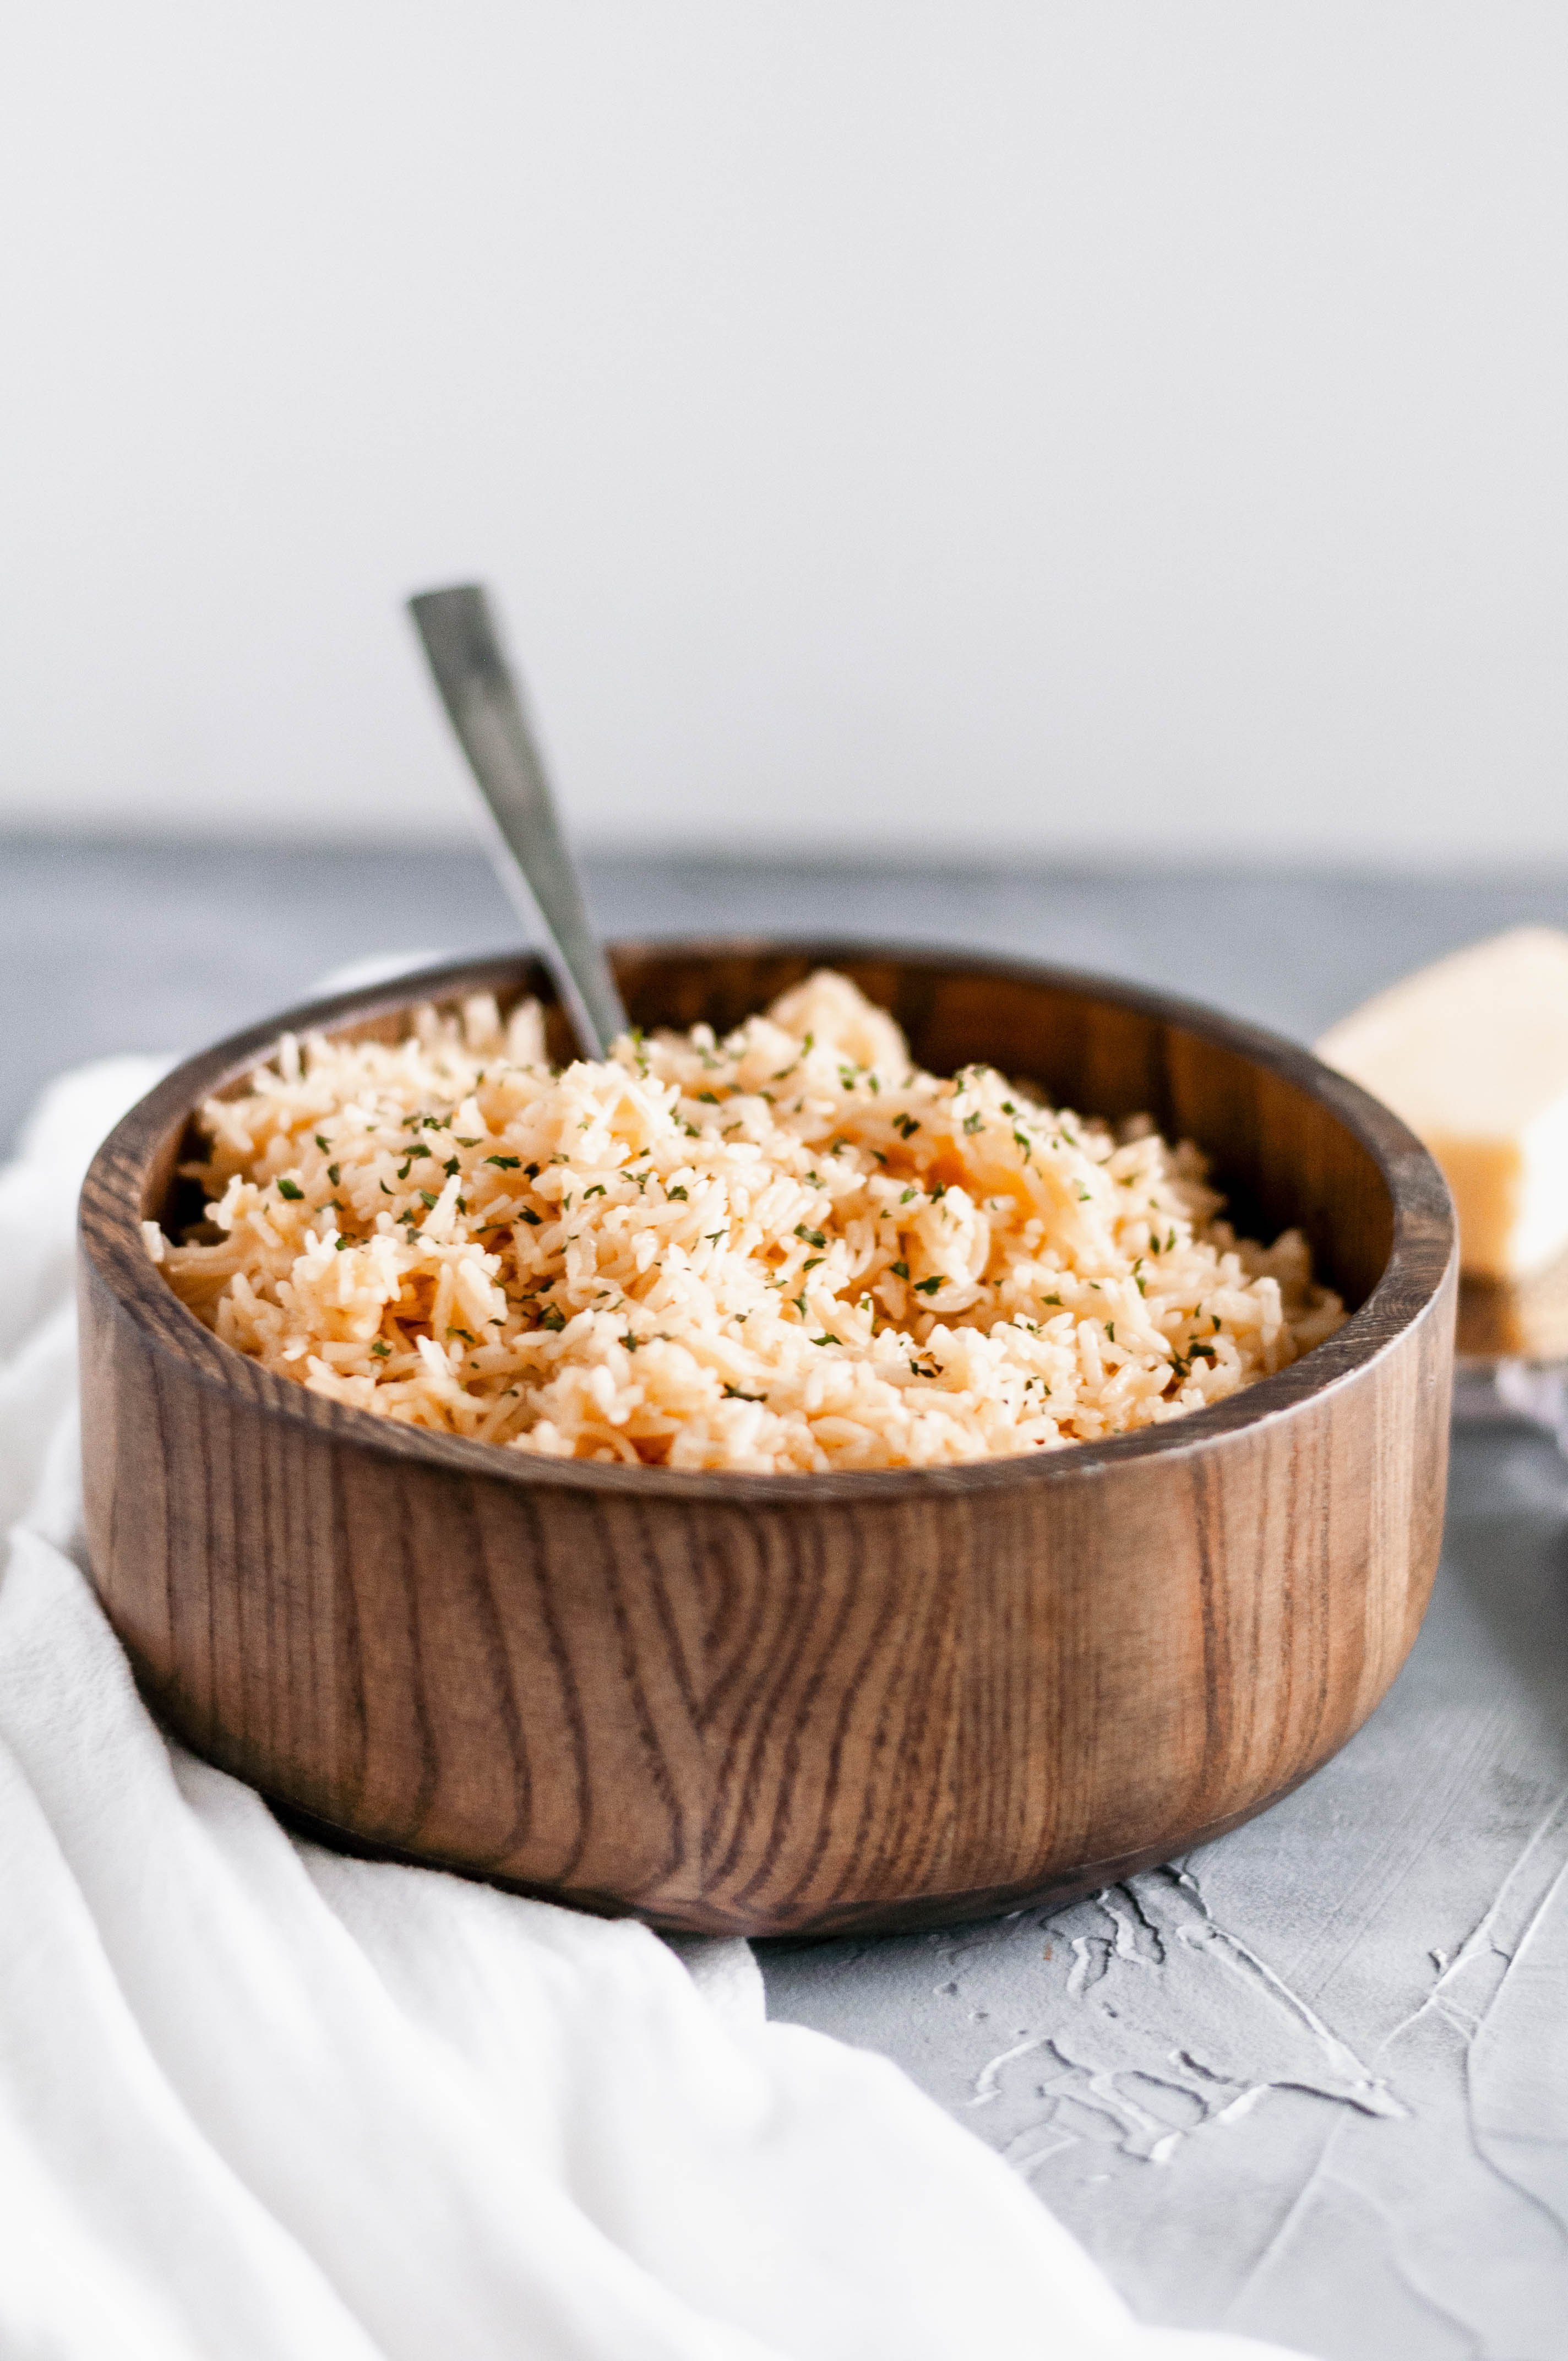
{"points": [[918, 423]]}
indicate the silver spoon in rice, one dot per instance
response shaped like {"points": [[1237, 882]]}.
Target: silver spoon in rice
{"points": [[462, 640]]}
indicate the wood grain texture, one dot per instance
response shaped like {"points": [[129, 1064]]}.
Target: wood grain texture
{"points": [[775, 1704]]}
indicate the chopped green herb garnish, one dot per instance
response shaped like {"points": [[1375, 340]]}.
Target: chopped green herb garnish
{"points": [[290, 1189]]}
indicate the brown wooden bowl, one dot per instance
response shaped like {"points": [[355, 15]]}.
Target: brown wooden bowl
{"points": [[775, 1704]]}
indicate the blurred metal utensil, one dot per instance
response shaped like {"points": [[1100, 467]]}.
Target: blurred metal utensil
{"points": [[477, 688]]}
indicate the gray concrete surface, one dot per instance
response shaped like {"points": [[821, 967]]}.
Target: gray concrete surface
{"points": [[1312, 2081]]}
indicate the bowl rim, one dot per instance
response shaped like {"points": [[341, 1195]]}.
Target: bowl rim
{"points": [[1422, 1257]]}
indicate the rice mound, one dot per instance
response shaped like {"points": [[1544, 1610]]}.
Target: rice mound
{"points": [[789, 1250]]}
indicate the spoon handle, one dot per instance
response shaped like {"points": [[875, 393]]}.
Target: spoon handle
{"points": [[460, 638]]}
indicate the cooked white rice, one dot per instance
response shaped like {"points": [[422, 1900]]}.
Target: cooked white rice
{"points": [[787, 1250]]}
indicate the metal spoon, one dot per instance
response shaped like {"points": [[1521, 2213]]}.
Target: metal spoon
{"points": [[480, 694]]}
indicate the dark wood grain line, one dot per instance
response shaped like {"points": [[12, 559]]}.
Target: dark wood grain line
{"points": [[514, 1774], [790, 1754], [764, 1799], [773, 1596], [730, 1641], [903, 1715], [426, 1764], [1220, 1697], [570, 1696], [349, 1728], [652, 1574], [656, 1768], [862, 1668]]}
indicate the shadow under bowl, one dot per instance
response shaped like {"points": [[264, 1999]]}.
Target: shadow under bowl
{"points": [[779, 1705]]}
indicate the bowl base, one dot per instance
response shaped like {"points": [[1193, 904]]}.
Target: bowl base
{"points": [[906, 1915]]}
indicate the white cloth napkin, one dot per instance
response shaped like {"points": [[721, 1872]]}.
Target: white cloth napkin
{"points": [[259, 2103]]}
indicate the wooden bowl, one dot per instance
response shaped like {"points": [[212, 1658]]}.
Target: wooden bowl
{"points": [[775, 1704]]}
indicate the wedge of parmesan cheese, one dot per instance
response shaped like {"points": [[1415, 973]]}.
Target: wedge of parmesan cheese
{"points": [[1474, 1054]]}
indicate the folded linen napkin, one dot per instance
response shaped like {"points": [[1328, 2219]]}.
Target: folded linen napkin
{"points": [[261, 2101]]}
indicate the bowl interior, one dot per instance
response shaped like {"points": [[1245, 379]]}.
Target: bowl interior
{"points": [[1282, 1154]]}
